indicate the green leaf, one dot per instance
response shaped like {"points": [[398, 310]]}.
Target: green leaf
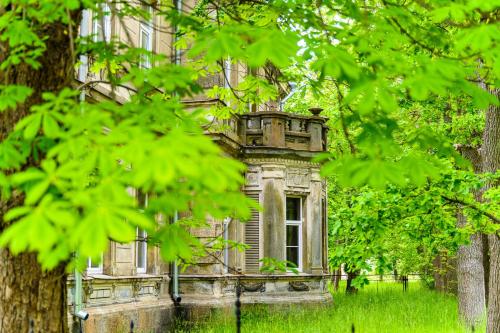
{"points": [[12, 95], [50, 126], [33, 126], [26, 176], [17, 212], [35, 192]]}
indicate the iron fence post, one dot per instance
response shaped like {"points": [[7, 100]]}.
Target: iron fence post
{"points": [[238, 307]]}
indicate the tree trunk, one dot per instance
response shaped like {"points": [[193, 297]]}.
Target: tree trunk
{"points": [[350, 289], [491, 163], [337, 279], [470, 268], [494, 287], [486, 266], [28, 293], [445, 273], [470, 276], [30, 296]]}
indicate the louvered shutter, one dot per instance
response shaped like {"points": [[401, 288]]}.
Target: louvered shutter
{"points": [[252, 238]]}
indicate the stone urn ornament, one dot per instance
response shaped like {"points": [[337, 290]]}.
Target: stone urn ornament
{"points": [[315, 111]]}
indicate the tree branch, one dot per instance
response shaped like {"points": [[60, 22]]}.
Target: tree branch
{"points": [[470, 205]]}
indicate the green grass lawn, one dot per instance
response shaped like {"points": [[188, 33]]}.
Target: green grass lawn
{"points": [[375, 309]]}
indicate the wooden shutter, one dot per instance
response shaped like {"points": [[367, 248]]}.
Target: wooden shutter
{"points": [[252, 238]]}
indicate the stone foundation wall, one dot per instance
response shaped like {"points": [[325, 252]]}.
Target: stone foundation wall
{"points": [[151, 316], [155, 312], [217, 291]]}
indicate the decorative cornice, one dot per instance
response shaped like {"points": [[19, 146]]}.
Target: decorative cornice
{"points": [[277, 160]]}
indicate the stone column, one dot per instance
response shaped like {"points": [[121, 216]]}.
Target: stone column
{"points": [[315, 128], [273, 131], [237, 234], [273, 178], [314, 226], [109, 262]]}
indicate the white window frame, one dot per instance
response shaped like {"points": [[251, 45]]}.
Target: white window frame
{"points": [[298, 223], [147, 28], [226, 223], [141, 246], [96, 24], [91, 270]]}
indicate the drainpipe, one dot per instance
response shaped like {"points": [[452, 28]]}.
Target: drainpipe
{"points": [[178, 6], [175, 275], [290, 94], [175, 267], [78, 301], [82, 77]]}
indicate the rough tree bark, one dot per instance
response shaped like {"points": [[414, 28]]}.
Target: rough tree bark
{"points": [[491, 163], [486, 266], [28, 293], [351, 275], [470, 269], [445, 273], [470, 276]]}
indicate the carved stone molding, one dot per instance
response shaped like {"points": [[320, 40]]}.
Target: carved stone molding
{"points": [[297, 177], [87, 291], [297, 286], [157, 288], [252, 178], [254, 287], [136, 288], [281, 161], [113, 290]]}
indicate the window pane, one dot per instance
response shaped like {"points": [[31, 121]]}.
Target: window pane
{"points": [[94, 263], [141, 260], [292, 254], [141, 249], [98, 31], [145, 44], [292, 235], [293, 209], [144, 40]]}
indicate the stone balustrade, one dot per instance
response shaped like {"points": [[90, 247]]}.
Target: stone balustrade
{"points": [[274, 129]]}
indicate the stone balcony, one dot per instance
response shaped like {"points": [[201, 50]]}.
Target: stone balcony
{"points": [[276, 132]]}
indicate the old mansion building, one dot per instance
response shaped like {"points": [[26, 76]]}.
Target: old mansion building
{"points": [[133, 283]]}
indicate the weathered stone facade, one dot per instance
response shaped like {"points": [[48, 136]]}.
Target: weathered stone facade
{"points": [[277, 148], [279, 163], [132, 283]]}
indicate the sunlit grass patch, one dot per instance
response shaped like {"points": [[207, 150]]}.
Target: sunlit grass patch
{"points": [[380, 307]]}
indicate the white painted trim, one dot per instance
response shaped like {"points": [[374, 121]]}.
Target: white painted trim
{"points": [[226, 223], [94, 270], [96, 22], [146, 27], [298, 223], [141, 245]]}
